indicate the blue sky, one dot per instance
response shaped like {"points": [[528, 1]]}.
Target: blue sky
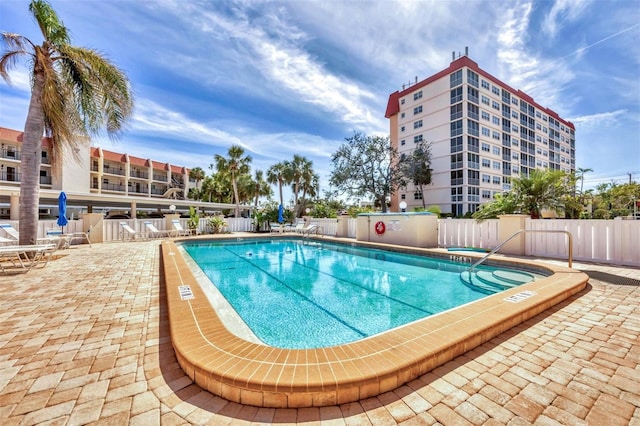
{"points": [[297, 77]]}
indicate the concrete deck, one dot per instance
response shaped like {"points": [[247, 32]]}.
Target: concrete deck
{"points": [[86, 340]]}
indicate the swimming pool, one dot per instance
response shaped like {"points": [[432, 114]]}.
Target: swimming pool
{"points": [[301, 294], [242, 370]]}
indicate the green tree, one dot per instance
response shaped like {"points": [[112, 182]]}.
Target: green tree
{"points": [[541, 189], [277, 174], [261, 187], [75, 92], [366, 166], [580, 176], [416, 168], [198, 175], [299, 173], [236, 164]]}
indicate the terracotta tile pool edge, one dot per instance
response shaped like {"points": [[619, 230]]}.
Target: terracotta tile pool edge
{"points": [[225, 364]]}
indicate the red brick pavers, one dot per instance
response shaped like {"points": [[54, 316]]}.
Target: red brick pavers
{"points": [[85, 341]]}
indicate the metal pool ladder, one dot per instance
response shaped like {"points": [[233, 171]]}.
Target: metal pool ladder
{"points": [[522, 231]]}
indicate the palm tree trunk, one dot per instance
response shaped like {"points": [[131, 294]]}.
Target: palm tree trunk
{"points": [[280, 188], [31, 156], [235, 194]]}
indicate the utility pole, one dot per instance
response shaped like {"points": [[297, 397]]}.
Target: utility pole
{"points": [[629, 177]]}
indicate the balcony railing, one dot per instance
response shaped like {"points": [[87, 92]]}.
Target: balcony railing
{"points": [[161, 178], [158, 191], [114, 171], [113, 187], [139, 174], [10, 154], [45, 180], [9, 177]]}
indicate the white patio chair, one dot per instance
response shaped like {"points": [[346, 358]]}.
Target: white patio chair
{"points": [[154, 232], [128, 233], [178, 229]]}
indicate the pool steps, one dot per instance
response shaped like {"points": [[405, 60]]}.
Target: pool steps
{"points": [[491, 282]]}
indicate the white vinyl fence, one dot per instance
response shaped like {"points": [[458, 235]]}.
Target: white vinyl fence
{"points": [[603, 241]]}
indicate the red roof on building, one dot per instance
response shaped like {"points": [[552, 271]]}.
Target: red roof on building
{"points": [[137, 161], [114, 156], [17, 136], [393, 105]]}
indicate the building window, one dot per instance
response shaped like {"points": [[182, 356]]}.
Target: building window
{"points": [[497, 165], [456, 78], [495, 135], [417, 195], [456, 111], [456, 161], [417, 95], [495, 105], [496, 180], [402, 142], [456, 95], [473, 144], [402, 129], [456, 128], [486, 147], [486, 195], [456, 144], [486, 162], [456, 178], [496, 150], [486, 179], [473, 193], [472, 78], [473, 160], [486, 132], [472, 94], [417, 139], [401, 101], [485, 84], [485, 115], [472, 111], [484, 100], [417, 110], [417, 124], [456, 194], [402, 115], [473, 128], [496, 120]]}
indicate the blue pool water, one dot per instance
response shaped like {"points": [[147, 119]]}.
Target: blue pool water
{"points": [[297, 294]]}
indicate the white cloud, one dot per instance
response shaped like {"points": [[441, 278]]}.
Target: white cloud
{"points": [[604, 119], [561, 11]]}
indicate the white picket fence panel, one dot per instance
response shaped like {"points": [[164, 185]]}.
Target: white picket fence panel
{"points": [[468, 233]]}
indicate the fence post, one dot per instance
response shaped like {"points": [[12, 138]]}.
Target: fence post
{"points": [[508, 225]]}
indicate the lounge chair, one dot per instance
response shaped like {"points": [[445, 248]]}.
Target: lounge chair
{"points": [[276, 227], [10, 230], [178, 229], [25, 256], [311, 229], [4, 241], [128, 233], [154, 232]]}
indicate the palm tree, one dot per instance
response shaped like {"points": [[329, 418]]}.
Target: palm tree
{"points": [[197, 174], [580, 175], [75, 92], [237, 164], [299, 170], [276, 174], [261, 187]]}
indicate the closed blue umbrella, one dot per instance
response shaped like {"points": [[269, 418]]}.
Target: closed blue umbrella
{"points": [[62, 210], [280, 214]]}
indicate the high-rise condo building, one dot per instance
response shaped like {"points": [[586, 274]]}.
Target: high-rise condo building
{"points": [[482, 133]]}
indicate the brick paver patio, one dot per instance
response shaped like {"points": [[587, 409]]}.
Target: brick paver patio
{"points": [[85, 341]]}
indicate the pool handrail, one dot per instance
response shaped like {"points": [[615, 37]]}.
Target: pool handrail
{"points": [[499, 246]]}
